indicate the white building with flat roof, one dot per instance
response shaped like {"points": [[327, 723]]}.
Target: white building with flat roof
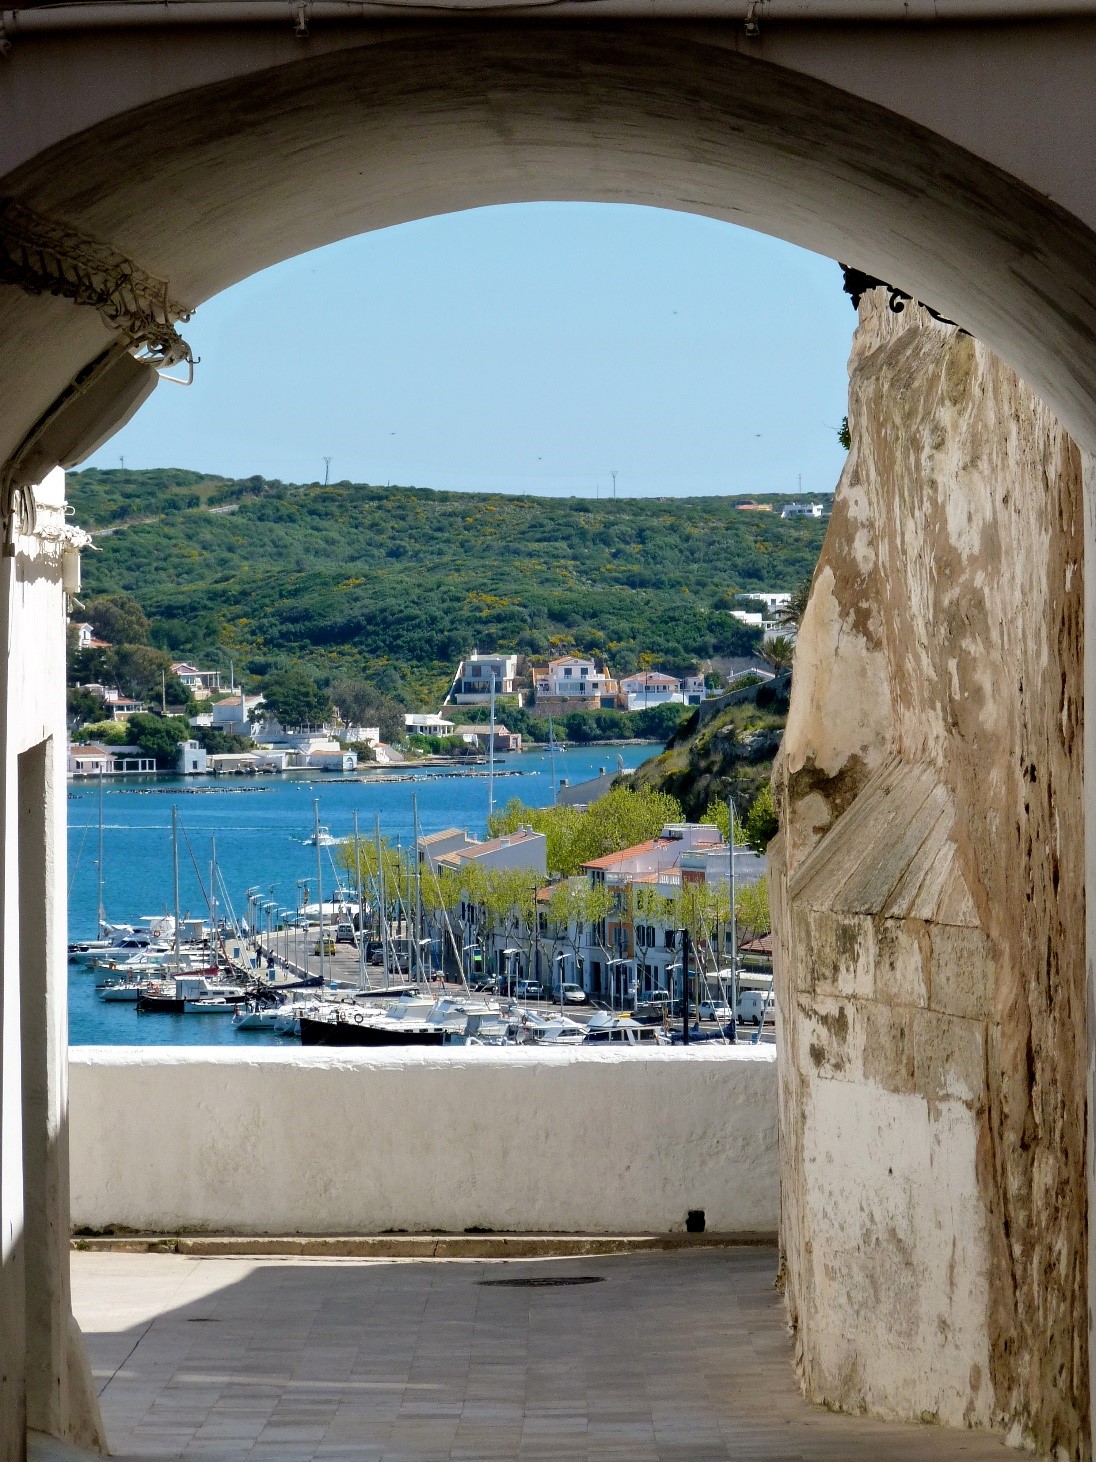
{"points": [[472, 683]]}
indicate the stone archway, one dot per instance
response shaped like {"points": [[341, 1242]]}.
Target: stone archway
{"points": [[241, 165]]}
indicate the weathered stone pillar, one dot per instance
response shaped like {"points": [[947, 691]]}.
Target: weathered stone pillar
{"points": [[1089, 471], [930, 907]]}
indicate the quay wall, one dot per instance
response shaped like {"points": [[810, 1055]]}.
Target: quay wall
{"points": [[287, 1141]]}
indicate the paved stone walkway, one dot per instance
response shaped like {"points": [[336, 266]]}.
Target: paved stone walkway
{"points": [[670, 1355]]}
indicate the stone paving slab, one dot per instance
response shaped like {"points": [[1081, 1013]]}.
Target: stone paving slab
{"points": [[682, 1355]]}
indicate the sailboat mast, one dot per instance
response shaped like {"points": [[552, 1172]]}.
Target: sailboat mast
{"points": [[102, 913], [175, 878], [552, 754], [418, 887], [319, 877], [213, 893], [383, 898], [361, 906]]}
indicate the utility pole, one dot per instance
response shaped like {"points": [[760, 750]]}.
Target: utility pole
{"points": [[163, 692], [326, 470], [734, 929]]}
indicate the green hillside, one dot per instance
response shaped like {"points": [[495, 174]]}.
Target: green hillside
{"points": [[396, 583]]}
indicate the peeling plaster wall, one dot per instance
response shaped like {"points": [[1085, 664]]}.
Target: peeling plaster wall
{"points": [[929, 906]]}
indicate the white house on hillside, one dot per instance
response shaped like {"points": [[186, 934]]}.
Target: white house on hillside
{"points": [[570, 676], [472, 683], [200, 683]]}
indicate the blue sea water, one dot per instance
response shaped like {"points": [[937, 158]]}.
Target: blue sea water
{"points": [[259, 826]]}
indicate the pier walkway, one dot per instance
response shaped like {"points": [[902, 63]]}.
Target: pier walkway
{"points": [[681, 1355]]}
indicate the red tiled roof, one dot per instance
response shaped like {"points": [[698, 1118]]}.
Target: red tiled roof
{"points": [[611, 860]]}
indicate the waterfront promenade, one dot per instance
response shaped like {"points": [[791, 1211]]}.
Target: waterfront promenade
{"points": [[682, 1356]]}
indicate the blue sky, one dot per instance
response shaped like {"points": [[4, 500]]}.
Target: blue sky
{"points": [[532, 348]]}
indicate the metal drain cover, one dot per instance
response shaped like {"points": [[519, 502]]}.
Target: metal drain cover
{"points": [[555, 1282]]}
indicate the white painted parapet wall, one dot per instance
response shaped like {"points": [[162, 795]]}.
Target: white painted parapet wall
{"points": [[316, 1142]]}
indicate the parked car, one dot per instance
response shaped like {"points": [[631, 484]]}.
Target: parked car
{"points": [[529, 990], [573, 994], [753, 1006], [716, 1010]]}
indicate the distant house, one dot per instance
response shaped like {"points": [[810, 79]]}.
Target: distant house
{"points": [[481, 735], [573, 683], [193, 759], [110, 761], [802, 510], [655, 688], [455, 848], [87, 639], [472, 683], [200, 683], [427, 723], [749, 506], [769, 599], [121, 707], [234, 716]]}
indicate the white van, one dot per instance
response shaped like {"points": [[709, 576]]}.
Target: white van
{"points": [[754, 1006]]}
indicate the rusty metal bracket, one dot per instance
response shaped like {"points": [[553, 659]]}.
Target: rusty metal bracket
{"points": [[43, 256]]}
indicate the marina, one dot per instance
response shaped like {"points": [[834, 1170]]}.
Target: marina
{"points": [[265, 842]]}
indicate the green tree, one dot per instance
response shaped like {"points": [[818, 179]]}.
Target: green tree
{"points": [[362, 704], [751, 908], [779, 651], [295, 698], [620, 819], [159, 736], [796, 607], [84, 705], [118, 618], [140, 671], [761, 824], [106, 733], [718, 814]]}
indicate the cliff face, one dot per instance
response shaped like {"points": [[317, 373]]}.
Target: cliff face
{"points": [[929, 906]]}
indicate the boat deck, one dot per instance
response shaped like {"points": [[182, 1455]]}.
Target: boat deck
{"points": [[681, 1355]]}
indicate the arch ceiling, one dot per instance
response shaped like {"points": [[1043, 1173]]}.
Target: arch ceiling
{"points": [[217, 181]]}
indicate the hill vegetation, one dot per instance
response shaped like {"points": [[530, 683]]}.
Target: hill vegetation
{"points": [[392, 585]]}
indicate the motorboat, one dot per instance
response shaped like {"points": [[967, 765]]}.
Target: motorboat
{"points": [[535, 1029], [189, 994], [605, 1029], [412, 1020], [120, 991], [322, 838]]}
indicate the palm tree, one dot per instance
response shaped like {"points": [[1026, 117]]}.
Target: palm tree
{"points": [[779, 651], [796, 607]]}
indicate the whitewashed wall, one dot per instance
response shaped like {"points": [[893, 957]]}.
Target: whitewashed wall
{"points": [[305, 1141]]}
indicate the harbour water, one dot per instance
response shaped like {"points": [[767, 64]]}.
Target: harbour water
{"points": [[260, 825]]}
